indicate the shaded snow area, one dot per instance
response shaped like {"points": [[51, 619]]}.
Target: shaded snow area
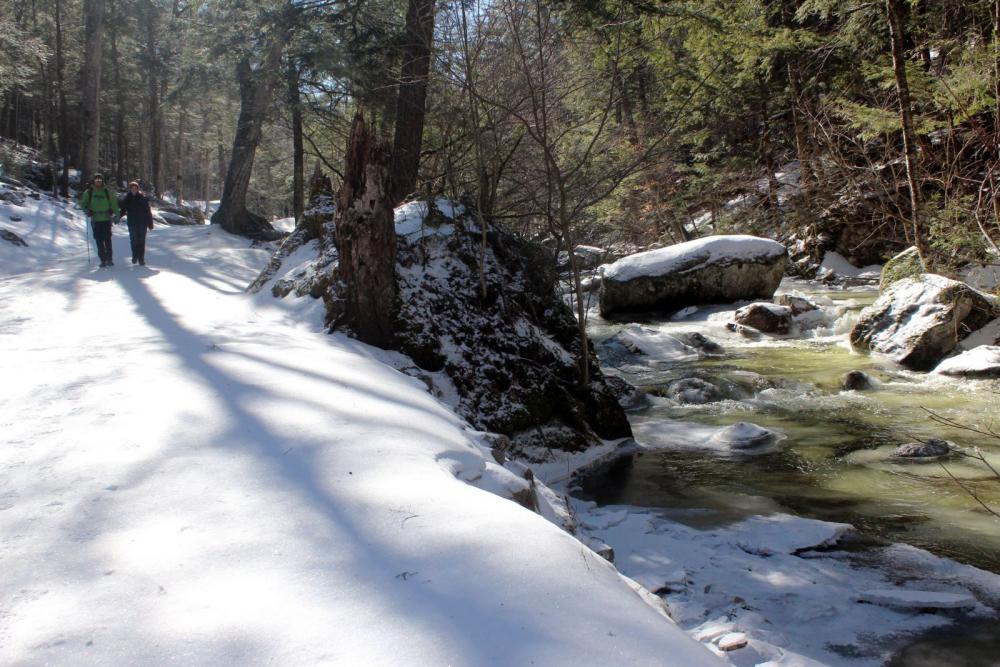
{"points": [[692, 254], [778, 586], [189, 477]]}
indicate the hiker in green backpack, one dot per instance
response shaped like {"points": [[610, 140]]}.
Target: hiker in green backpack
{"points": [[99, 204]]}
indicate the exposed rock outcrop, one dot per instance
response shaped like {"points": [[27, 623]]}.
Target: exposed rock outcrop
{"points": [[715, 269], [919, 320], [504, 358], [511, 353]]}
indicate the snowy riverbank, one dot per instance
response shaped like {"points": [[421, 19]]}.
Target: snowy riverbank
{"points": [[194, 477]]}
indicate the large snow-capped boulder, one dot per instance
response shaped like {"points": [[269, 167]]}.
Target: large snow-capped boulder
{"points": [[979, 362], [715, 269], [917, 321]]}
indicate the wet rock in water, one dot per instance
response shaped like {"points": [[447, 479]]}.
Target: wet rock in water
{"points": [[744, 435], [982, 361], [798, 304], [13, 238], [693, 390], [765, 317], [743, 330], [857, 381], [934, 448], [715, 269], [701, 342], [919, 320], [629, 397]]}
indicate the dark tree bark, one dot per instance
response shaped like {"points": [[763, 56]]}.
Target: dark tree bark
{"points": [[298, 152], [63, 115], [894, 10], [153, 112], [410, 104], [256, 92], [179, 149], [94, 30], [120, 150], [366, 239]]}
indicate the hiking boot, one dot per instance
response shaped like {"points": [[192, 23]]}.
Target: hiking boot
{"points": [[104, 265], [135, 261], [142, 262]]}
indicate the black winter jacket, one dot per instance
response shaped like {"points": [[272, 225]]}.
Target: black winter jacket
{"points": [[136, 207]]}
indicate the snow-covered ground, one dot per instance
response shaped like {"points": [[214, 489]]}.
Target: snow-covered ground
{"points": [[189, 475]]}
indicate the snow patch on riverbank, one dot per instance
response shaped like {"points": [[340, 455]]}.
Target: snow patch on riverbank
{"points": [[774, 579]]}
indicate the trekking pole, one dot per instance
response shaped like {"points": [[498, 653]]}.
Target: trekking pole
{"points": [[86, 237]]}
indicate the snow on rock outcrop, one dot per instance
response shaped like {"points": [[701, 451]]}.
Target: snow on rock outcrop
{"points": [[507, 362], [710, 270], [979, 362], [511, 357], [918, 321]]}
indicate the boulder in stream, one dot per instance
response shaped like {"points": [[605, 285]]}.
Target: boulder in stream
{"points": [[765, 317], [798, 304], [919, 320], [856, 381], [931, 450], [979, 362], [715, 269], [743, 436], [693, 390]]}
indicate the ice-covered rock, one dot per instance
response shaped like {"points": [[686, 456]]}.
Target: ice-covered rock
{"points": [[933, 449], [919, 320], [693, 390], [901, 598], [715, 269], [744, 435], [979, 362], [741, 439], [765, 317]]}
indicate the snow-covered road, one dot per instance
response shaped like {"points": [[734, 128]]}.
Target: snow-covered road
{"points": [[189, 476]]}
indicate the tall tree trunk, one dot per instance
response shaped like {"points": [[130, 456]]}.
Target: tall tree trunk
{"points": [[179, 149], [410, 104], [256, 91], [801, 138], [366, 239], [94, 29], [894, 10], [298, 152], [121, 154], [153, 95], [63, 115]]}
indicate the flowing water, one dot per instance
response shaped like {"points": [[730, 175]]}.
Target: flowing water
{"points": [[833, 459]]}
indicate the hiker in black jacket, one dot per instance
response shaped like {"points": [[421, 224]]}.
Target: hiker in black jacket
{"points": [[135, 205]]}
